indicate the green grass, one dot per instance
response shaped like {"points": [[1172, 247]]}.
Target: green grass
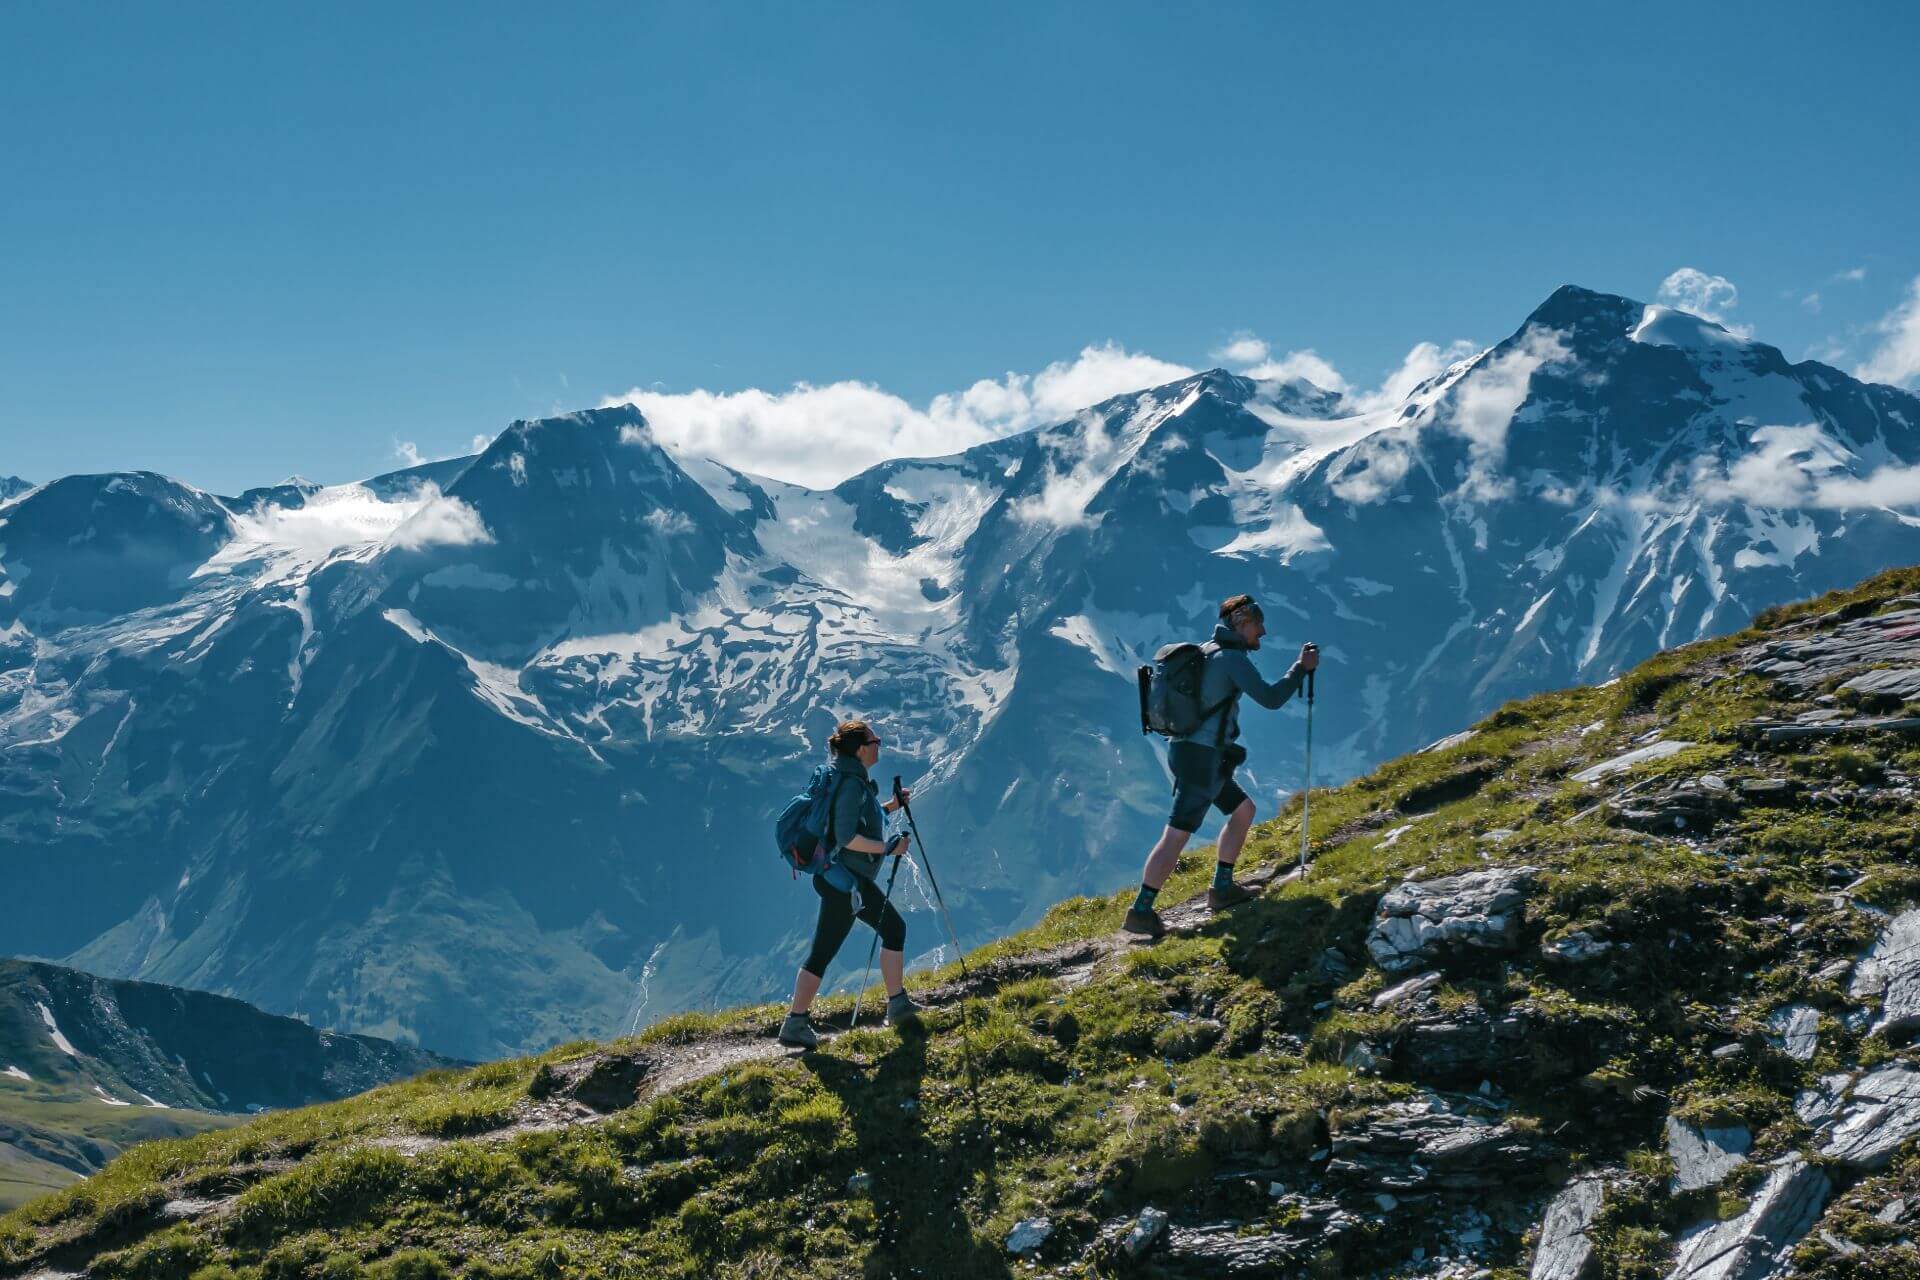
{"points": [[1173, 1063]]}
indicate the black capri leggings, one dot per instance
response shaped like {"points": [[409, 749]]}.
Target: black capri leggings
{"points": [[837, 916]]}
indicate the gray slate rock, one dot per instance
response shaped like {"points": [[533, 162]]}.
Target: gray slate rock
{"points": [[1891, 970], [1702, 1157], [1755, 1245], [1219, 1250], [1627, 760], [1879, 1113], [1145, 1231], [1795, 1031], [1576, 948], [1460, 1048], [1896, 682], [1433, 1143], [1028, 1235], [1420, 921], [1564, 1251]]}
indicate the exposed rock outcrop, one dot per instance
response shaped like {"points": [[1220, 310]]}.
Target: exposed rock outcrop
{"points": [[1422, 921], [1702, 1157], [1565, 1251], [1755, 1244]]}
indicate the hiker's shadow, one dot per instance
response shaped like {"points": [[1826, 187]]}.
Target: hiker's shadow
{"points": [[1279, 940], [919, 1188]]}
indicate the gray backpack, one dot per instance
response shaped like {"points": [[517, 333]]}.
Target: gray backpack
{"points": [[1170, 690]]}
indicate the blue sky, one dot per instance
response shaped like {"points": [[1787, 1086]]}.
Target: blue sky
{"points": [[243, 241]]}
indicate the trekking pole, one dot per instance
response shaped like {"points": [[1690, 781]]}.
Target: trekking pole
{"points": [[874, 950], [1306, 796], [966, 1027]]}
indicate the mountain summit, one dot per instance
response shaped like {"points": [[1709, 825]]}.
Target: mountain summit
{"points": [[483, 754]]}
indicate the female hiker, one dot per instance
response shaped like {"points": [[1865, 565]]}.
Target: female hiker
{"points": [[847, 889]]}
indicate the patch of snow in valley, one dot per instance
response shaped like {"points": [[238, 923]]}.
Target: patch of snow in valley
{"points": [[109, 1099], [17, 1074]]}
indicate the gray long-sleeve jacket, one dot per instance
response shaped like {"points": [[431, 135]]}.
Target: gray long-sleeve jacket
{"points": [[1230, 673]]}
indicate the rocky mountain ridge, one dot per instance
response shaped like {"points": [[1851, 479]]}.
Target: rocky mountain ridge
{"points": [[1620, 982], [89, 1065]]}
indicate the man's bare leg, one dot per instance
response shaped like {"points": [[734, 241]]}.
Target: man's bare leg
{"points": [[1141, 917]]}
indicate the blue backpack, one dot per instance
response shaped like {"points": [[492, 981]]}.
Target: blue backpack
{"points": [[802, 828]]}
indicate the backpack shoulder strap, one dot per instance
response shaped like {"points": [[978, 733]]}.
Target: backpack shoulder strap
{"points": [[833, 810]]}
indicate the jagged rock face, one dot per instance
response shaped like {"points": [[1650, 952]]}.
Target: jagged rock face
{"points": [[1433, 1143], [184, 1048], [1755, 1244], [91, 547], [1423, 921], [1891, 971], [1862, 1122], [1796, 1031], [473, 777], [1565, 1251], [1704, 1155]]}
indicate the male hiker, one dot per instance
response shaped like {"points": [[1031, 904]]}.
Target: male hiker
{"points": [[1202, 762], [857, 832]]}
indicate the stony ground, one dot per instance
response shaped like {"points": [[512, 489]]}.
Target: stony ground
{"points": [[1622, 982]]}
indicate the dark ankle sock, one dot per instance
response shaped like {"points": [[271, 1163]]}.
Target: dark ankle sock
{"points": [[1145, 901], [1223, 875]]}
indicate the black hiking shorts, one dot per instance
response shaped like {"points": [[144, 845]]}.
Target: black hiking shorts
{"points": [[1203, 777]]}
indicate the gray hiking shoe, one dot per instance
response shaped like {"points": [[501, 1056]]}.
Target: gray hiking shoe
{"points": [[1231, 896], [797, 1030], [1146, 923], [901, 1008]]}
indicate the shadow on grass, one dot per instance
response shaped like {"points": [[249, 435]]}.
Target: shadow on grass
{"points": [[1277, 941], [919, 1185]]}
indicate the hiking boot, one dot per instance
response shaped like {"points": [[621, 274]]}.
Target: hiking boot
{"points": [[1231, 896], [901, 1008], [1145, 922], [798, 1031]]}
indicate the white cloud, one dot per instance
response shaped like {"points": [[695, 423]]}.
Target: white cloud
{"points": [[439, 521], [1812, 302], [1244, 348], [1254, 359], [1308, 364], [1893, 485], [1383, 461], [1853, 274], [1487, 399], [350, 515], [1897, 358], [1802, 466], [479, 442], [820, 435], [1708, 296], [1423, 361], [408, 453]]}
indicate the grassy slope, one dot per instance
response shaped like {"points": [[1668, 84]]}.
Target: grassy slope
{"points": [[1131, 1088], [45, 1131]]}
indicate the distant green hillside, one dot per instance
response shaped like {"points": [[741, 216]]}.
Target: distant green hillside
{"points": [[89, 1066], [1621, 983]]}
